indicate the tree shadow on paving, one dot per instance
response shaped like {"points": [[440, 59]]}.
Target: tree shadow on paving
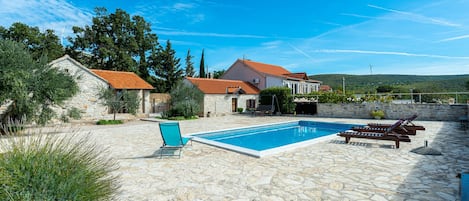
{"points": [[434, 176]]}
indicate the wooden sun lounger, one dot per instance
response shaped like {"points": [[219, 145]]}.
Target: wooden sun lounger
{"points": [[388, 134], [398, 130], [397, 138], [407, 124]]}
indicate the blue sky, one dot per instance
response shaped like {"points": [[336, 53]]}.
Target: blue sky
{"points": [[418, 37]]}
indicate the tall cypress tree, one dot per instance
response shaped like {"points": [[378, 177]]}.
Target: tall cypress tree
{"points": [[189, 71], [202, 66]]}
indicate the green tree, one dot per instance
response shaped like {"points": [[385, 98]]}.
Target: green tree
{"points": [[33, 85], [185, 100], [115, 41], [38, 43], [167, 69], [384, 89], [467, 85], [202, 66], [189, 71], [218, 73], [118, 100], [282, 99]]}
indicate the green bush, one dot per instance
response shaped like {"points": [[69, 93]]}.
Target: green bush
{"points": [[109, 122], [185, 101], [283, 96], [55, 167], [74, 113], [240, 109], [379, 114]]}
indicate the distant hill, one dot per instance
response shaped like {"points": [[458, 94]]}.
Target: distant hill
{"points": [[400, 83]]}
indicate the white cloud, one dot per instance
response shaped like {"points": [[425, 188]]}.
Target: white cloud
{"points": [[301, 52], [389, 53], [57, 15], [182, 6], [272, 44], [455, 38], [186, 33], [418, 18]]}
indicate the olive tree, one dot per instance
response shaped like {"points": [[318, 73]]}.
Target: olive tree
{"points": [[117, 100], [31, 84], [186, 100]]}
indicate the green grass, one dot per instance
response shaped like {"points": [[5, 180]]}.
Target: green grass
{"points": [[55, 167], [109, 122], [180, 118]]}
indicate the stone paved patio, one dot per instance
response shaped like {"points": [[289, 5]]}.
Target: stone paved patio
{"points": [[329, 170]]}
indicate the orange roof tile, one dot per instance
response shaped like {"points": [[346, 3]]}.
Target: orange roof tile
{"points": [[220, 86], [122, 80], [266, 68], [325, 88], [302, 76]]}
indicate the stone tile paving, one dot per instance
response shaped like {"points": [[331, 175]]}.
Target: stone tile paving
{"points": [[330, 170]]}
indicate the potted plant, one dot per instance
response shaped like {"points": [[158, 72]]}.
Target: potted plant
{"points": [[240, 110], [377, 114]]}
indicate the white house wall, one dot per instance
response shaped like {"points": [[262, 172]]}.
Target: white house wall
{"points": [[220, 104], [274, 82], [146, 102], [239, 71], [87, 98]]}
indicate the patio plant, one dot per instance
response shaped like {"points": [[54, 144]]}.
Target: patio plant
{"points": [[377, 114], [37, 166]]}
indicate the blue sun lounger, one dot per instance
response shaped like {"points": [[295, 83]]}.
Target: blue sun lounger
{"points": [[172, 139]]}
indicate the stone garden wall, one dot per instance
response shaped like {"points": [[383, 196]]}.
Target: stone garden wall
{"points": [[439, 112]]}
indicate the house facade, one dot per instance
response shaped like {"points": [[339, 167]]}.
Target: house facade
{"points": [[266, 75], [223, 97], [91, 82]]}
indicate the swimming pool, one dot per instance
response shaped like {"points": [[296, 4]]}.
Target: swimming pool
{"points": [[273, 138]]}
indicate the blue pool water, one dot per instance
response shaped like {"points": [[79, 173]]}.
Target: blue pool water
{"points": [[255, 140]]}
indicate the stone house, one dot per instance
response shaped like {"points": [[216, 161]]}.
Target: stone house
{"points": [[90, 83], [266, 75], [223, 97]]}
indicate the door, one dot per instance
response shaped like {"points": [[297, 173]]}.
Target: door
{"points": [[234, 104]]}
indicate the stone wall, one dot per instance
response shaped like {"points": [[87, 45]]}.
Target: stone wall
{"points": [[160, 102], [220, 104], [439, 112], [87, 98]]}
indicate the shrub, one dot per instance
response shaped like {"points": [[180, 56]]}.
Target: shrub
{"points": [[185, 101], [379, 114], [54, 167], [74, 113], [109, 122], [283, 99], [64, 118], [240, 109]]}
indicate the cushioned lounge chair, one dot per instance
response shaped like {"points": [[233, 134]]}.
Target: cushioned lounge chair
{"points": [[172, 139], [389, 135], [397, 129], [407, 124]]}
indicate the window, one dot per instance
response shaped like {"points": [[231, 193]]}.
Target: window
{"points": [[250, 104]]}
